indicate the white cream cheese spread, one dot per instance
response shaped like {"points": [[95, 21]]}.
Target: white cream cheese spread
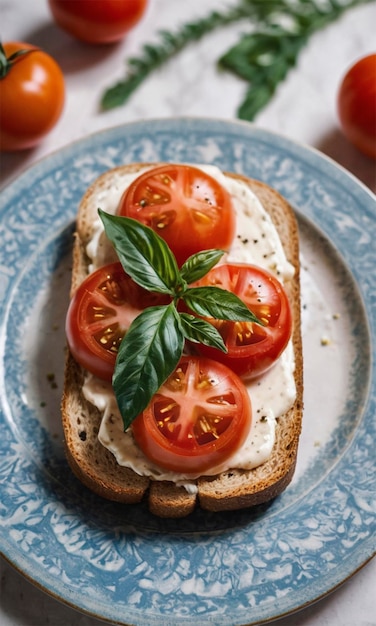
{"points": [[256, 242]]}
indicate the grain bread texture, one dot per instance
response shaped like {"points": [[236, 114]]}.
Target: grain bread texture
{"points": [[97, 468]]}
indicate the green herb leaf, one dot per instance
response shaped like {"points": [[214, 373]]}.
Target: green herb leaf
{"points": [[263, 60], [219, 304], [148, 354], [277, 20], [143, 254], [200, 264], [201, 331], [170, 44], [153, 345]]}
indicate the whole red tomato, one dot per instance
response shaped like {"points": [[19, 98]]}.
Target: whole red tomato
{"points": [[357, 105], [97, 21], [32, 94]]}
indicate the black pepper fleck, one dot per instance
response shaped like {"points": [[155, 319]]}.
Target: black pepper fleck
{"points": [[52, 381]]}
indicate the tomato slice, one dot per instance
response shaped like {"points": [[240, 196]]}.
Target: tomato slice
{"points": [[100, 313], [200, 416], [185, 206], [251, 348]]}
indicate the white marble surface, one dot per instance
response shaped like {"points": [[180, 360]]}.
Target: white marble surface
{"points": [[304, 109]]}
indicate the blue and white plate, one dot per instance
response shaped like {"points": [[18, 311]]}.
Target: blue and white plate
{"points": [[118, 562]]}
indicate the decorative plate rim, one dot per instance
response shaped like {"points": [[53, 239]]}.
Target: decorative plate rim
{"points": [[321, 166]]}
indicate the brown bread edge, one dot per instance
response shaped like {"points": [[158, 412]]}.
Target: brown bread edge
{"points": [[97, 468]]}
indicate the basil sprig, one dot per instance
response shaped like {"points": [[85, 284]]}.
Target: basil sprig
{"points": [[154, 343]]}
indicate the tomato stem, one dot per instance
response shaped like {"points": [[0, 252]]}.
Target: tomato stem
{"points": [[6, 63]]}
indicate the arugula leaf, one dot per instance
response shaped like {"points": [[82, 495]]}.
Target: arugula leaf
{"points": [[218, 303], [148, 354], [199, 264], [143, 254], [201, 331]]}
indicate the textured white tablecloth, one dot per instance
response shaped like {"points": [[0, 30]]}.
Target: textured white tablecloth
{"points": [[303, 109]]}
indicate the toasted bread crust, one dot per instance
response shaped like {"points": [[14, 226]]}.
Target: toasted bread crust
{"points": [[97, 468]]}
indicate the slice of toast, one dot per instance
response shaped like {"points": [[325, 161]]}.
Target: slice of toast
{"points": [[96, 466]]}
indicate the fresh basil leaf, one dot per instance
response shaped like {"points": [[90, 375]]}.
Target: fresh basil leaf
{"points": [[200, 331], [148, 354], [218, 303], [197, 265], [144, 255]]}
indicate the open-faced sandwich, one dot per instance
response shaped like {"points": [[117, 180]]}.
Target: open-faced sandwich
{"points": [[184, 374]]}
